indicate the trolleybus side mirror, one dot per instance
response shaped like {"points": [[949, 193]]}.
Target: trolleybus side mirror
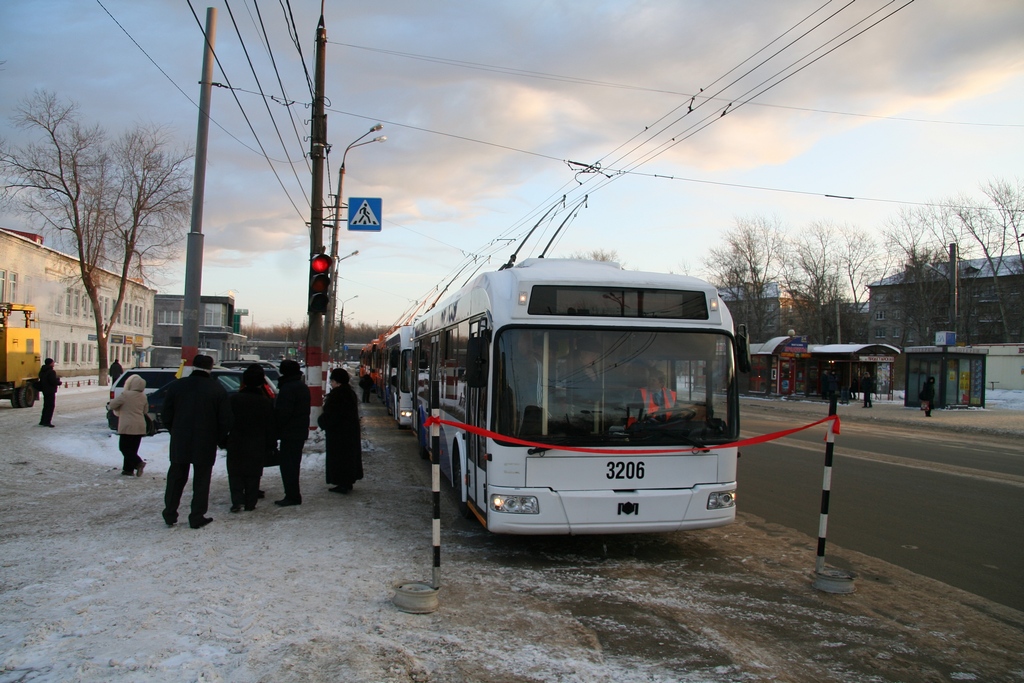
{"points": [[476, 361], [743, 349]]}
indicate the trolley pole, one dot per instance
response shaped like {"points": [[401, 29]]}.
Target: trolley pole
{"points": [[317, 151]]}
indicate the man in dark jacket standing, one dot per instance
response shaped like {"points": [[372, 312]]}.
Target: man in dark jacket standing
{"points": [[198, 414], [115, 371], [291, 416], [48, 383]]}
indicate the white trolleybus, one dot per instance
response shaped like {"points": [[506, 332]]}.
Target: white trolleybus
{"points": [[580, 398], [399, 370]]}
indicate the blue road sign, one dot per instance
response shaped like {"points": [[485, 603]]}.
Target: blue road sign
{"points": [[364, 213]]}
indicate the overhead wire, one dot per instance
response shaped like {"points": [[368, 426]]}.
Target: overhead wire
{"points": [[270, 113], [244, 115]]}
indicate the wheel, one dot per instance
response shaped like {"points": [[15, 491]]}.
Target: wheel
{"points": [[457, 484], [16, 398], [28, 396]]}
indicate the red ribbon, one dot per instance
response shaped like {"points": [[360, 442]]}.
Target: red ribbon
{"points": [[834, 419]]}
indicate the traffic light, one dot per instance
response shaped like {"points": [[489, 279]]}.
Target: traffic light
{"points": [[319, 283]]}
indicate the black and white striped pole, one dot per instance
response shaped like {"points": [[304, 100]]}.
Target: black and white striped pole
{"points": [[829, 580], [435, 479], [410, 596]]}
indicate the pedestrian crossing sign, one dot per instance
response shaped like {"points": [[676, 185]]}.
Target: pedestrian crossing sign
{"points": [[364, 213]]}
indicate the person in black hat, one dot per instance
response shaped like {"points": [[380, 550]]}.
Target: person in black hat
{"points": [[291, 416], [251, 438], [198, 414], [340, 422], [48, 384]]}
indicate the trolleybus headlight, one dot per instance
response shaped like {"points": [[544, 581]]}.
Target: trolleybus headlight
{"points": [[721, 499], [406, 413], [520, 505]]}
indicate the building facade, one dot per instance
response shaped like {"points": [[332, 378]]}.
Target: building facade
{"points": [[34, 274], [218, 330]]}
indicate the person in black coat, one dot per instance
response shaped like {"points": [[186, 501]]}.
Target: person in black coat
{"points": [[927, 396], [867, 385], [115, 371], [291, 416], [48, 383], [198, 414], [366, 383], [340, 422], [251, 438]]}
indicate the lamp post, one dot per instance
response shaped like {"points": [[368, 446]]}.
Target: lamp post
{"points": [[329, 345], [341, 323], [337, 226]]}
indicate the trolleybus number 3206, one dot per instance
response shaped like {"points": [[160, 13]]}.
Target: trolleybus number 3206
{"points": [[625, 470]]}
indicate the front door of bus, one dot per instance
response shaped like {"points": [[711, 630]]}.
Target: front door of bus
{"points": [[476, 445]]}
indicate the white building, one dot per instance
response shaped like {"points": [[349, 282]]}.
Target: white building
{"points": [[31, 273]]}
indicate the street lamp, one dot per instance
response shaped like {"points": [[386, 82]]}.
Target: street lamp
{"points": [[341, 323], [337, 226]]}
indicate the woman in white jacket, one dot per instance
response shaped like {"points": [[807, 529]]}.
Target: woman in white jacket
{"points": [[131, 407]]}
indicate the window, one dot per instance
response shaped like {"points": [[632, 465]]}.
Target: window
{"points": [[47, 347], [67, 352], [168, 318], [213, 315], [67, 302], [3, 285], [12, 284], [879, 315], [897, 333], [879, 333]]}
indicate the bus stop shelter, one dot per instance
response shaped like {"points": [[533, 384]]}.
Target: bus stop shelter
{"points": [[959, 373]]}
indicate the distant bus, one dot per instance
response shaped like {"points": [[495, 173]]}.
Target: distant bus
{"points": [[555, 359], [399, 371]]}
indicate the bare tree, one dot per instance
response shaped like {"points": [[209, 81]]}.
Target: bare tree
{"points": [[923, 288], [607, 255], [994, 230], [748, 269], [813, 280], [119, 206]]}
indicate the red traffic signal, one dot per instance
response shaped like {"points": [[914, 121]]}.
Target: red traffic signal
{"points": [[319, 283]]}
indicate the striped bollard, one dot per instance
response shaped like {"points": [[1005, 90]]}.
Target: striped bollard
{"points": [[411, 596], [829, 580]]}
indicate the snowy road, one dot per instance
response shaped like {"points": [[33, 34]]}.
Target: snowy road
{"points": [[94, 587]]}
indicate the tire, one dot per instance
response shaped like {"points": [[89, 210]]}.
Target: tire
{"points": [[28, 396], [16, 398], [457, 484]]}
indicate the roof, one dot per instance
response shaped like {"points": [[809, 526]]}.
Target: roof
{"points": [[973, 269]]}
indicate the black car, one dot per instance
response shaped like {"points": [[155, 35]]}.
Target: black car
{"points": [[269, 369], [229, 378]]}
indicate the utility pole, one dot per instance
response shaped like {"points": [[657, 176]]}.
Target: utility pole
{"points": [[194, 247], [317, 151]]}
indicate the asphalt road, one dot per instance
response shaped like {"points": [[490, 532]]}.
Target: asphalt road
{"points": [[946, 505]]}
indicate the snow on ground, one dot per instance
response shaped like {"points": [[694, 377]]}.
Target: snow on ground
{"points": [[94, 587]]}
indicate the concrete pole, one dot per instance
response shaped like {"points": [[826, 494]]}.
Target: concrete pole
{"points": [[194, 246], [315, 369]]}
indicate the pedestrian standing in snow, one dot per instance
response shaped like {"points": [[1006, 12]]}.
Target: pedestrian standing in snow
{"points": [[867, 385], [198, 413], [48, 384], [115, 371], [340, 422], [927, 395], [291, 415], [366, 383], [130, 407], [251, 438]]}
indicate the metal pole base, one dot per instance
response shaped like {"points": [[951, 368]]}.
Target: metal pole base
{"points": [[836, 581], [415, 598]]}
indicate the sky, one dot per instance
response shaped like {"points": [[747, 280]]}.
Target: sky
{"points": [[495, 111]]}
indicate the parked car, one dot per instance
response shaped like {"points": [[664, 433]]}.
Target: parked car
{"points": [[230, 378], [155, 378], [269, 369]]}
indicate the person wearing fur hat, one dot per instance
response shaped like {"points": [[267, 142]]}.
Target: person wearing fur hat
{"points": [[340, 422], [291, 415], [251, 438]]}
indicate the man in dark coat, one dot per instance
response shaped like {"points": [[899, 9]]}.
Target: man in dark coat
{"points": [[198, 414], [340, 422], [48, 383], [867, 385], [115, 371], [291, 417], [252, 437]]}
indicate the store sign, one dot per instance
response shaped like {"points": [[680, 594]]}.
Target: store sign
{"points": [[877, 359], [117, 339]]}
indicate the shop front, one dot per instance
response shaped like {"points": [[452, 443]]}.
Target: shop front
{"points": [[959, 373], [789, 366]]}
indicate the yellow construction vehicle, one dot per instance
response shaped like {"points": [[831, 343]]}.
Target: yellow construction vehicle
{"points": [[19, 355]]}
